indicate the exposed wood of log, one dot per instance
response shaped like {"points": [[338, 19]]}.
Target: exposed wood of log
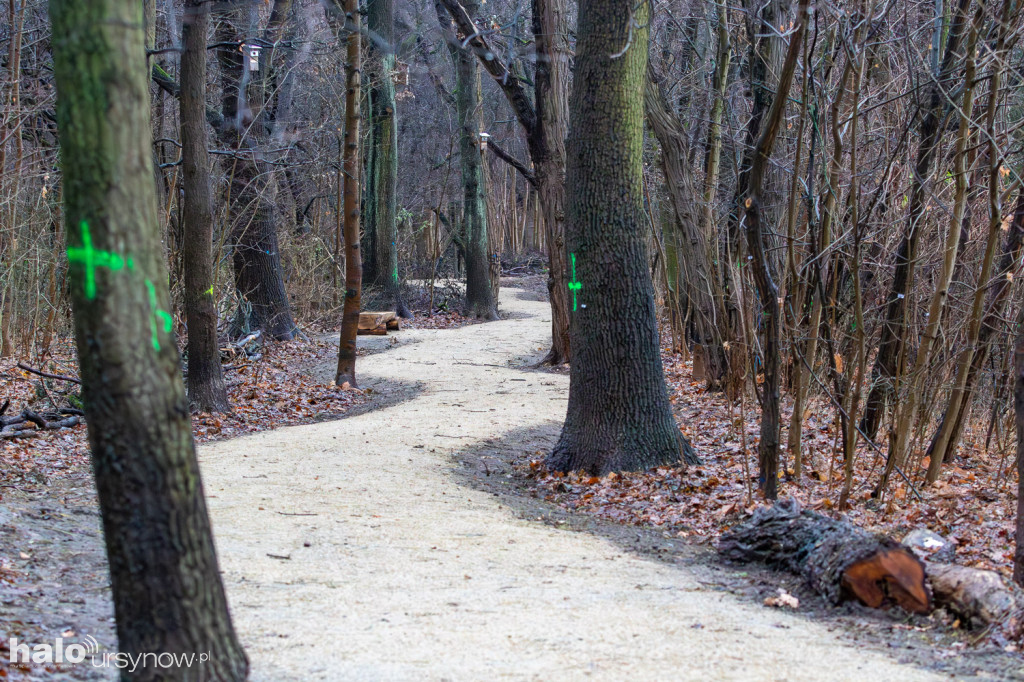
{"points": [[371, 320], [838, 560], [376, 331]]}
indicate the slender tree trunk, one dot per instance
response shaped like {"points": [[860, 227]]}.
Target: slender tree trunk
{"points": [[698, 274], [943, 440], [765, 276], [206, 390], [907, 411], [888, 362], [543, 121], [168, 595], [381, 224], [546, 143], [1002, 285], [353, 258], [619, 417], [480, 301], [1018, 408]]}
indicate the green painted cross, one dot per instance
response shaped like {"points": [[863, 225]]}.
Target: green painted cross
{"points": [[574, 284], [91, 259], [167, 321]]}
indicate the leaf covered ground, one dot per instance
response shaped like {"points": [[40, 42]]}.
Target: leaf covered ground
{"points": [[973, 504]]}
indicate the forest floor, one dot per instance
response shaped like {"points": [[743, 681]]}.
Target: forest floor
{"points": [[409, 540]]}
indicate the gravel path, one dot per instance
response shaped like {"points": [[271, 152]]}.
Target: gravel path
{"points": [[352, 550]]}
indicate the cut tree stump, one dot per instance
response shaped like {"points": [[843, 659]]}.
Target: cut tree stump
{"points": [[837, 559], [377, 324]]}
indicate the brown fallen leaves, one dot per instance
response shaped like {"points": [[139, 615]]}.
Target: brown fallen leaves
{"points": [[974, 504], [276, 390]]}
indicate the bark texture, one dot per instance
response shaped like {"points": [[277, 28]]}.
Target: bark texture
{"points": [[619, 417], [168, 595], [837, 559], [206, 389]]}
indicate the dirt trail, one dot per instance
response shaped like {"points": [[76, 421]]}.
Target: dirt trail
{"points": [[352, 551]]}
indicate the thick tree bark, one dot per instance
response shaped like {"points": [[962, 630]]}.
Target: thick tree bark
{"points": [[168, 595], [206, 390], [380, 226], [838, 560], [889, 361], [346, 373], [245, 127], [619, 417]]}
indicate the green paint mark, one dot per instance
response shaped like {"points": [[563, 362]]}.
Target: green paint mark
{"points": [[91, 259], [167, 322], [209, 291], [574, 284]]}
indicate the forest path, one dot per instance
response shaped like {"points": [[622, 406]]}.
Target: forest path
{"points": [[354, 550]]}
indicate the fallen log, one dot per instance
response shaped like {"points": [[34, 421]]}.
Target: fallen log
{"points": [[372, 320], [981, 599], [16, 427], [838, 560], [376, 331]]}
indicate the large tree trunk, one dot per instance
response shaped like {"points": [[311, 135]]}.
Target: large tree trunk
{"points": [[206, 390], [480, 301], [168, 595], [889, 361], [252, 209], [380, 225], [838, 560], [350, 31], [619, 417]]}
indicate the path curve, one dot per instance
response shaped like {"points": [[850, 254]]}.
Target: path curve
{"points": [[352, 551]]}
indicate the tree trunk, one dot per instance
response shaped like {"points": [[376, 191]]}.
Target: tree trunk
{"points": [[765, 276], [1002, 285], [546, 143], [206, 390], [353, 259], [543, 121], [480, 301], [380, 224], [696, 246], [888, 362], [838, 560], [619, 417], [168, 595], [256, 258]]}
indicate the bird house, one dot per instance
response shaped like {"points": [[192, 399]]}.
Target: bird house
{"points": [[254, 56]]}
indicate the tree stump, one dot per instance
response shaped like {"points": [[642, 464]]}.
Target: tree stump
{"points": [[837, 559]]}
